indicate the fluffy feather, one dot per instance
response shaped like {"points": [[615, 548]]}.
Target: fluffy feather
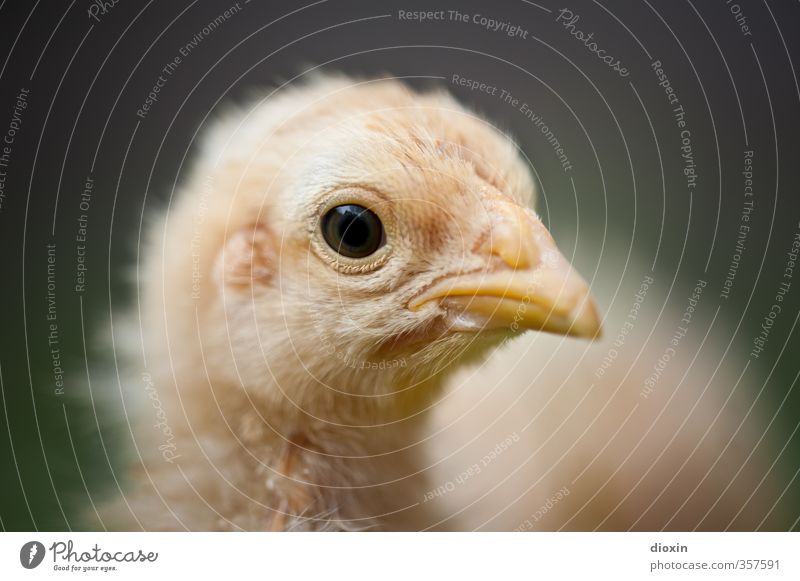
{"points": [[301, 395]]}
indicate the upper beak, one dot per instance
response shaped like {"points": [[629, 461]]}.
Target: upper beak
{"points": [[527, 282]]}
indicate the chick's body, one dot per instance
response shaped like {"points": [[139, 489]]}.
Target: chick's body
{"points": [[297, 383]]}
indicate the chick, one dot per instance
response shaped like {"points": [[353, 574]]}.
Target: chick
{"points": [[337, 253]]}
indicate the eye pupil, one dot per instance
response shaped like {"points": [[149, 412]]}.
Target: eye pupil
{"points": [[352, 230]]}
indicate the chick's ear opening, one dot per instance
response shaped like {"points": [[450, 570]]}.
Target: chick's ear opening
{"points": [[247, 259]]}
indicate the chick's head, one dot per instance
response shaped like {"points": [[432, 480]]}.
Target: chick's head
{"points": [[381, 224]]}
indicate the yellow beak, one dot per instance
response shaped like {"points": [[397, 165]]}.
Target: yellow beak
{"points": [[527, 282]]}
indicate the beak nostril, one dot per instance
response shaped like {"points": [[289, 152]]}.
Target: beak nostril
{"points": [[508, 243], [511, 239]]}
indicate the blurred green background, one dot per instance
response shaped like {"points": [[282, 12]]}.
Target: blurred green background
{"points": [[625, 193]]}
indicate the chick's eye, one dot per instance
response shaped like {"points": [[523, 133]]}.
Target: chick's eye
{"points": [[352, 230]]}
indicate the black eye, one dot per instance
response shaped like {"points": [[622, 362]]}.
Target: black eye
{"points": [[352, 230]]}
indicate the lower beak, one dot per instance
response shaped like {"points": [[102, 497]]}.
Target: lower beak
{"points": [[534, 287]]}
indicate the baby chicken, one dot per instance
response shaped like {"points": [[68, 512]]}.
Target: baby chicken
{"points": [[338, 251]]}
